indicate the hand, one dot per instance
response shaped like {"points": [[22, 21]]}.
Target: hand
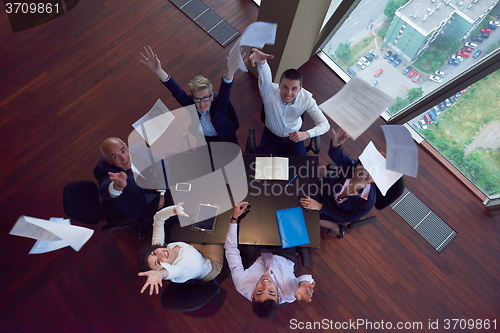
{"points": [[119, 180], [299, 136], [178, 210], [309, 203], [151, 60], [154, 280], [259, 57], [339, 137], [305, 291], [239, 209]]}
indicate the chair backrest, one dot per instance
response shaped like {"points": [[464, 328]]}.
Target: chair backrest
{"points": [[392, 194], [81, 202], [187, 297]]}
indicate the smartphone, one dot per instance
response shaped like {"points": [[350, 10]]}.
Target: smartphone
{"points": [[183, 187], [206, 217]]}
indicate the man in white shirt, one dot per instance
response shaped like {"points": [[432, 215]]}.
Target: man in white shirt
{"points": [[284, 104], [270, 280]]}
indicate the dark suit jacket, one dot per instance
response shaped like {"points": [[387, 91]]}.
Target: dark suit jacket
{"points": [[355, 207], [133, 202], [225, 128]]}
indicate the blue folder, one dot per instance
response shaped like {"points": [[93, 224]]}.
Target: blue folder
{"points": [[292, 227]]}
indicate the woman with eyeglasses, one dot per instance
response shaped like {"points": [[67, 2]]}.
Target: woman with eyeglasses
{"points": [[177, 261], [215, 111]]}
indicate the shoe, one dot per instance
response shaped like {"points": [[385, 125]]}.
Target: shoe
{"points": [[342, 230], [329, 232]]}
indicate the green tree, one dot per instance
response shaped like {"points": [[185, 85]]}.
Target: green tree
{"points": [[414, 94], [400, 103], [344, 50], [392, 6]]}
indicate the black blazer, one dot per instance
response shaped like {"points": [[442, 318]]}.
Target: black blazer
{"points": [[133, 202]]}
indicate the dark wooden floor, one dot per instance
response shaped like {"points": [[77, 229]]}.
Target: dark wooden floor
{"points": [[70, 83]]}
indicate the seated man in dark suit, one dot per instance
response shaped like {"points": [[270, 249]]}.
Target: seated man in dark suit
{"points": [[346, 195], [217, 117], [116, 182]]}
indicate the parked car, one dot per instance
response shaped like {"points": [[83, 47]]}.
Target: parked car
{"points": [[466, 49], [447, 102], [417, 125], [417, 77], [432, 114], [483, 35], [490, 26], [368, 57], [437, 110], [392, 58], [351, 72], [397, 62], [463, 54], [458, 94], [361, 65], [452, 99], [454, 62], [388, 54], [427, 119], [407, 70], [378, 72], [435, 78], [442, 106], [439, 73], [477, 54], [496, 23], [477, 39], [365, 61], [457, 57], [423, 123], [486, 31], [412, 73], [374, 54], [471, 45], [374, 83]]}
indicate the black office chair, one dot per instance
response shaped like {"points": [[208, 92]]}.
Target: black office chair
{"points": [[189, 296], [81, 202]]}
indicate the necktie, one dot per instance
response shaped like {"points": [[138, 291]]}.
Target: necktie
{"points": [[267, 260]]}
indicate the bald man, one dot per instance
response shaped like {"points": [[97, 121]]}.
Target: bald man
{"points": [[117, 183]]}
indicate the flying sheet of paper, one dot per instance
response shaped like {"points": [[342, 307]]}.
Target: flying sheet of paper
{"points": [[374, 163], [402, 152], [154, 123], [257, 35], [356, 106], [44, 230], [48, 246]]}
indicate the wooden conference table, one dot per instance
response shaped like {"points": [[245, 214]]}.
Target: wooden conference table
{"points": [[259, 226]]}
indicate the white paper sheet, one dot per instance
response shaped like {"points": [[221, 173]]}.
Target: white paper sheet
{"points": [[257, 35], [356, 106], [44, 230], [48, 246], [154, 123], [374, 163], [402, 152]]}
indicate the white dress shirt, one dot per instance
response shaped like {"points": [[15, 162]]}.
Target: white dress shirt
{"points": [[245, 280], [189, 264], [282, 118]]}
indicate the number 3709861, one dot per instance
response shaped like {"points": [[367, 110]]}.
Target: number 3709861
{"points": [[31, 8]]}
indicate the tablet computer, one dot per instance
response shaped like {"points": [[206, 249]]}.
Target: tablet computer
{"points": [[206, 216]]}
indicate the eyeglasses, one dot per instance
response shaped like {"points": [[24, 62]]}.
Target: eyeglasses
{"points": [[203, 99]]}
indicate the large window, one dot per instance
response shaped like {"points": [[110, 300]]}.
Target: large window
{"points": [[437, 59]]}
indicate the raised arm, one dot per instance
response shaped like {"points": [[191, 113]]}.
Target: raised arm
{"points": [[232, 253], [150, 59], [159, 221]]}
